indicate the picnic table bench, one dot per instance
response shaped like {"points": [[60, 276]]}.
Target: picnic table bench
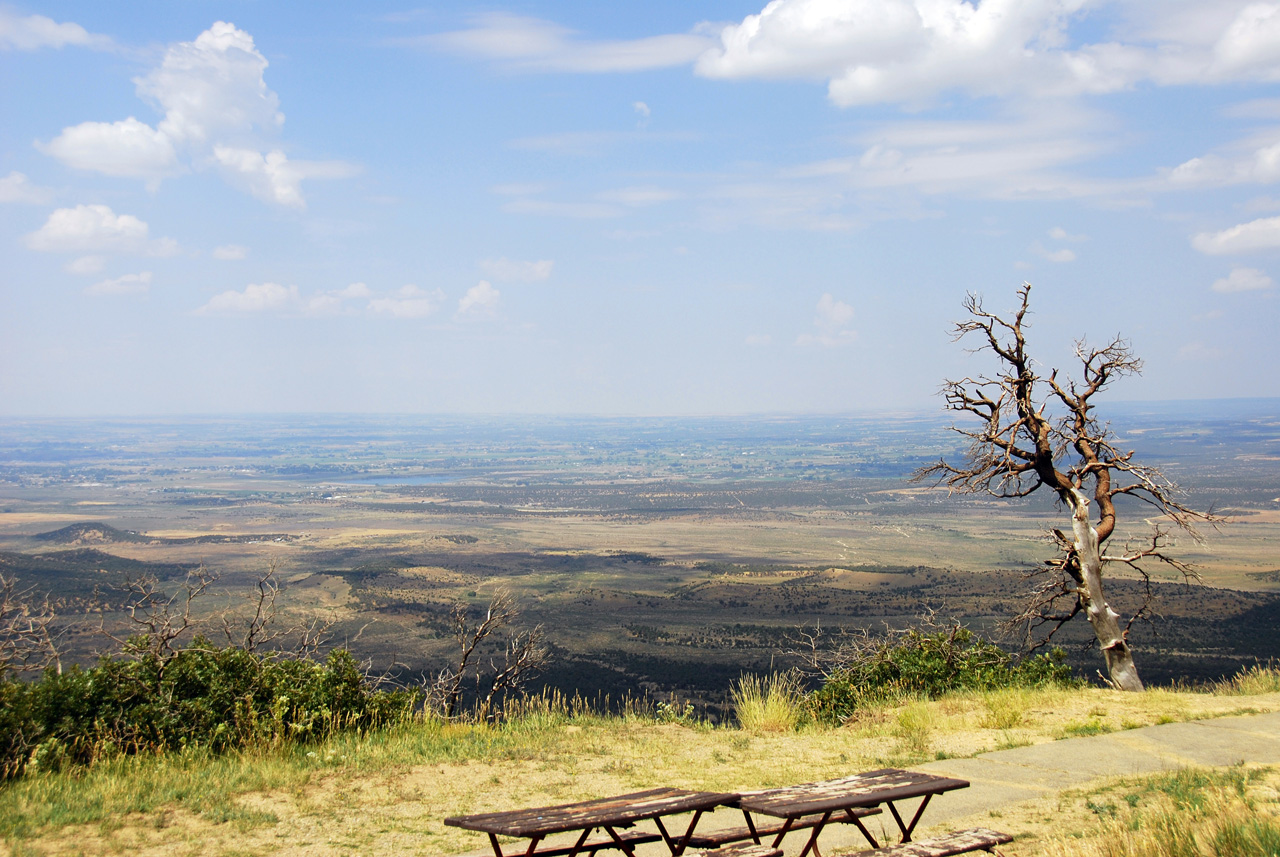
{"points": [[612, 815], [809, 806], [845, 800]]}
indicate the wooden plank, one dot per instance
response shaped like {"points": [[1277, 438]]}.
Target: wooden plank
{"points": [[960, 842], [618, 811], [744, 850], [869, 789]]}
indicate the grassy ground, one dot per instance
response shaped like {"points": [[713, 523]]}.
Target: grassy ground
{"points": [[388, 792]]}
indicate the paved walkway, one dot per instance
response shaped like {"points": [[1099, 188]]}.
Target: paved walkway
{"points": [[1004, 777]]}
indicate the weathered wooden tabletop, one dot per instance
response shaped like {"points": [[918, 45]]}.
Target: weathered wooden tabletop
{"points": [[616, 811], [860, 790]]}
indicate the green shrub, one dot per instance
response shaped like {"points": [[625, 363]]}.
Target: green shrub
{"points": [[927, 664], [203, 696]]}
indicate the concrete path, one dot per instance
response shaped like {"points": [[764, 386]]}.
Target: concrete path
{"points": [[1004, 777]]}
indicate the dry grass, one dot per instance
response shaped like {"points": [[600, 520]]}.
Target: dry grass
{"points": [[389, 792], [773, 703]]}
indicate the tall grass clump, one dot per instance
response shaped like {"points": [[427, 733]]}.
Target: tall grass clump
{"points": [[919, 663], [1251, 681], [772, 703], [1190, 813], [201, 697]]}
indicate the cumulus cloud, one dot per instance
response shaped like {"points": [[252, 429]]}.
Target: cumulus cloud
{"points": [[831, 324], [480, 300], [97, 229], [531, 44], [217, 110], [230, 252], [127, 148], [269, 177], [511, 271], [32, 32], [129, 284], [16, 187], [1243, 280], [255, 298], [408, 302], [913, 51], [1261, 234]]}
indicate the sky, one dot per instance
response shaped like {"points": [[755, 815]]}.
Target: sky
{"points": [[663, 208]]}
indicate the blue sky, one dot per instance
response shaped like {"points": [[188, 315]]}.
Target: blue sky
{"points": [[657, 208]]}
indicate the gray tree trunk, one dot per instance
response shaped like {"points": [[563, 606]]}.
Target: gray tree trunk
{"points": [[1105, 621]]}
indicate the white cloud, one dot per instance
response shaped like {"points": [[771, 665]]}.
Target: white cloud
{"points": [[335, 301], [638, 196], [16, 187], [531, 44], [831, 324], [129, 284], [1198, 351], [1059, 256], [518, 189], [480, 300], [32, 32], [1261, 234], [1057, 233], [97, 229], [230, 252], [512, 271], [263, 297], [585, 210], [1022, 154], [86, 265], [213, 88], [217, 110], [127, 148], [409, 302], [914, 51], [269, 177], [1243, 280]]}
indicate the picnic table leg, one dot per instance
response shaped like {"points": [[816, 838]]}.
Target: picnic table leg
{"points": [[862, 828], [577, 846], [786, 826], [812, 844], [677, 846], [623, 846], [497, 848], [751, 826], [907, 828]]}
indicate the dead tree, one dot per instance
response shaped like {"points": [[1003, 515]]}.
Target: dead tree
{"points": [[524, 654], [264, 632], [28, 642], [158, 621], [1038, 431]]}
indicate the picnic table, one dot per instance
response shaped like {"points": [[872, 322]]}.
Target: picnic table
{"points": [[845, 800], [613, 815]]}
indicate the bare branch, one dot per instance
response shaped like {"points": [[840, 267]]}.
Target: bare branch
{"points": [[28, 642], [1034, 431]]}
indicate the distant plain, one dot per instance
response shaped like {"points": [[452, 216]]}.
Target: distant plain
{"points": [[663, 556]]}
